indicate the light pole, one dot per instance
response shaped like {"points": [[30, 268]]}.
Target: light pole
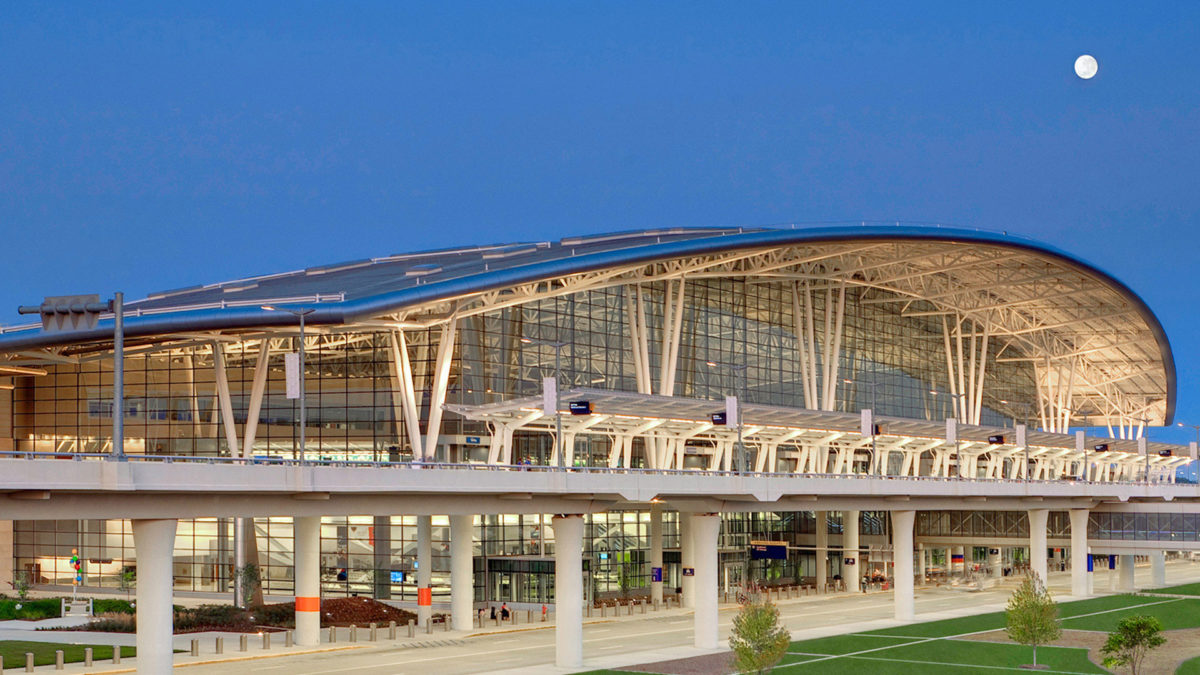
{"points": [[739, 392], [558, 443], [1028, 412], [874, 451], [85, 310], [299, 312], [962, 405], [1197, 428]]}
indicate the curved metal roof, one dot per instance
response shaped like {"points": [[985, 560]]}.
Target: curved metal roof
{"points": [[1070, 292]]}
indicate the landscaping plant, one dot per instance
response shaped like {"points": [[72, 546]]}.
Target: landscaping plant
{"points": [[1128, 645], [1031, 617], [758, 641]]}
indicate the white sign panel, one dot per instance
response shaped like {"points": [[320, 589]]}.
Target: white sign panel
{"points": [[867, 428], [731, 411], [291, 369], [1021, 438], [951, 430], [549, 396]]}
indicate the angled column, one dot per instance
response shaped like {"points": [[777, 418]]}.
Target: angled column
{"points": [[687, 559], [568, 591], [154, 542], [851, 569], [424, 569], [902, 563], [306, 531], [705, 531], [1158, 569], [462, 572], [1080, 586], [1125, 568], [822, 518], [1037, 543], [656, 554]]}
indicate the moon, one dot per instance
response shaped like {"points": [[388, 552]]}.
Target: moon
{"points": [[1086, 66]]}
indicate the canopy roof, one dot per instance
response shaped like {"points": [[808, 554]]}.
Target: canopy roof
{"points": [[1048, 307]]}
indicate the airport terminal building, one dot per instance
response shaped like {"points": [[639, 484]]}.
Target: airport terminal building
{"points": [[901, 352]]}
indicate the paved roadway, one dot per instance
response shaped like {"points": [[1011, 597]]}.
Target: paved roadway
{"points": [[637, 639]]}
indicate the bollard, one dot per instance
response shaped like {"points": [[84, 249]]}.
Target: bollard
{"points": [[116, 655], [374, 632], [391, 630], [29, 662], [353, 633], [58, 659], [411, 627], [643, 604], [629, 609], [446, 623], [429, 626], [243, 642], [655, 607], [195, 648], [332, 634], [220, 645], [603, 610], [589, 611], [514, 617], [87, 659], [266, 640], [287, 639], [529, 616]]}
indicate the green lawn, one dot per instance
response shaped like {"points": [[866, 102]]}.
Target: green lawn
{"points": [[945, 656], [14, 651], [921, 649], [1189, 667], [1186, 589]]}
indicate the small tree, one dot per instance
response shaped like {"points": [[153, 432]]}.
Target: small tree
{"points": [[128, 580], [21, 584], [1128, 645], [1031, 617], [758, 641]]}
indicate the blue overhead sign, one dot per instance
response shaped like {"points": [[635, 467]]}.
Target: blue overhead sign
{"points": [[768, 550]]}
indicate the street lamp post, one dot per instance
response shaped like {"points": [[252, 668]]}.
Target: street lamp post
{"points": [[300, 313], [739, 392], [558, 440], [874, 411], [962, 405], [1028, 412]]}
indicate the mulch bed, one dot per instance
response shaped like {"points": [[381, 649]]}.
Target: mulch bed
{"points": [[709, 664], [357, 611]]}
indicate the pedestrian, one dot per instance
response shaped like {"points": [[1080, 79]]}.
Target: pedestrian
{"points": [[504, 611]]}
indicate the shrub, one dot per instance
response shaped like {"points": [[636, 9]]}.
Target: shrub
{"points": [[758, 641], [31, 610], [110, 606]]}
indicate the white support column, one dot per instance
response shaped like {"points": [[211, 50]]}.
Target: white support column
{"points": [[402, 377], [1125, 579], [995, 562], [687, 560], [902, 548], [154, 543], [706, 530], [568, 591], [852, 573], [958, 557], [1158, 569], [424, 571], [1037, 543], [922, 555], [462, 572], [306, 531], [1080, 588], [822, 518], [656, 554]]}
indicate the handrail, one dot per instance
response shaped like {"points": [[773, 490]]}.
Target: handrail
{"points": [[533, 468]]}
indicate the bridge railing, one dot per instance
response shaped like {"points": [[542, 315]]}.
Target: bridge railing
{"points": [[529, 468]]}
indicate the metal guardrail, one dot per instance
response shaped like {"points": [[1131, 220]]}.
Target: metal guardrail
{"points": [[532, 468]]}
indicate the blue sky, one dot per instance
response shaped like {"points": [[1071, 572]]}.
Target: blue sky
{"points": [[146, 146]]}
